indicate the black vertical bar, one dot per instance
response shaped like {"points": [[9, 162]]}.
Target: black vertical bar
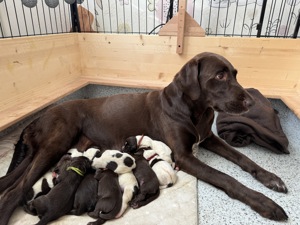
{"points": [[297, 27], [236, 11], [75, 18], [109, 15], [261, 19], [17, 19], [124, 18], [286, 33], [244, 18], [218, 18], [117, 15], [171, 9]]}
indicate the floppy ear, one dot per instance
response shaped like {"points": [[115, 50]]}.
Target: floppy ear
{"points": [[187, 79]]}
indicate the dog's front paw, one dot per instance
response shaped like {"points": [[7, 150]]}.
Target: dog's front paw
{"points": [[271, 181], [272, 211]]}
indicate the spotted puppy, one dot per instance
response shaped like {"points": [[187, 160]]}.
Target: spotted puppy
{"points": [[59, 201], [122, 164], [89, 153]]}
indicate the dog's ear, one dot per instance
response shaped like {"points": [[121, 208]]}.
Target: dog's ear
{"points": [[187, 78]]}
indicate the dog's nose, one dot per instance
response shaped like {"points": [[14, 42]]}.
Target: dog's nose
{"points": [[248, 102]]}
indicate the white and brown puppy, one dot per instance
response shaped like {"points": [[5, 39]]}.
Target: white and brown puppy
{"points": [[144, 142], [122, 164]]}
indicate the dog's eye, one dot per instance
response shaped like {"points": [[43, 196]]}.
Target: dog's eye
{"points": [[220, 76]]}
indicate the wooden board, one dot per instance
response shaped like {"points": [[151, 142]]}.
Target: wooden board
{"points": [[36, 71]]}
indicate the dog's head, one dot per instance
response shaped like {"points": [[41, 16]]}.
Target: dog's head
{"points": [[211, 78], [131, 145]]}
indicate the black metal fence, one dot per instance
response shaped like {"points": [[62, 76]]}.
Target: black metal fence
{"points": [[245, 18]]}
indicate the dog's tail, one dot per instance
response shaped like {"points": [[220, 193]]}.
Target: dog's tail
{"points": [[20, 161], [19, 154]]}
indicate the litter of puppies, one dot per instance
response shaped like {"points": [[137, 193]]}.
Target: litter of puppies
{"points": [[105, 184]]}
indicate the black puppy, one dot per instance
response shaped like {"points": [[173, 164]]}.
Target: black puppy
{"points": [[59, 201], [148, 182], [86, 195], [109, 197]]}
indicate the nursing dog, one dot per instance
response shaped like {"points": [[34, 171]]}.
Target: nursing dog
{"points": [[59, 201], [179, 115]]}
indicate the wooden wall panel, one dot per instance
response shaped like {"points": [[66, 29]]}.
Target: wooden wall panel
{"points": [[30, 66], [271, 65]]}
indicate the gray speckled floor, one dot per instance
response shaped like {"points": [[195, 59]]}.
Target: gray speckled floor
{"points": [[214, 206]]}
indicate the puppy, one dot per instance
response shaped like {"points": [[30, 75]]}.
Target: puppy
{"points": [[122, 164], [59, 200], [86, 195], [148, 182], [109, 197], [163, 168], [165, 173], [89, 153], [41, 187], [144, 142], [114, 160]]}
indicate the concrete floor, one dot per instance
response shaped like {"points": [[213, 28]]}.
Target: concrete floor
{"points": [[191, 201]]}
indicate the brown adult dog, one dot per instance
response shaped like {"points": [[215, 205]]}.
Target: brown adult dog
{"points": [[179, 115]]}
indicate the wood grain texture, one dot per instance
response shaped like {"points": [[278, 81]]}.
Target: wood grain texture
{"points": [[36, 71]]}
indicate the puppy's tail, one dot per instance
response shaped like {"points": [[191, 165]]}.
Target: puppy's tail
{"points": [[110, 215]]}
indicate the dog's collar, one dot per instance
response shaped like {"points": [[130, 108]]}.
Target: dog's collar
{"points": [[151, 157], [154, 161], [140, 141], [76, 170]]}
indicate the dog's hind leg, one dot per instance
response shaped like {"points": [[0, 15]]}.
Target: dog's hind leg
{"points": [[14, 176], [14, 195]]}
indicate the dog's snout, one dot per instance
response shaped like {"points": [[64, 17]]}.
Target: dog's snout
{"points": [[248, 103]]}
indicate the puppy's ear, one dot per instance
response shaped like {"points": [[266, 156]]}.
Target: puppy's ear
{"points": [[187, 79], [98, 154]]}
